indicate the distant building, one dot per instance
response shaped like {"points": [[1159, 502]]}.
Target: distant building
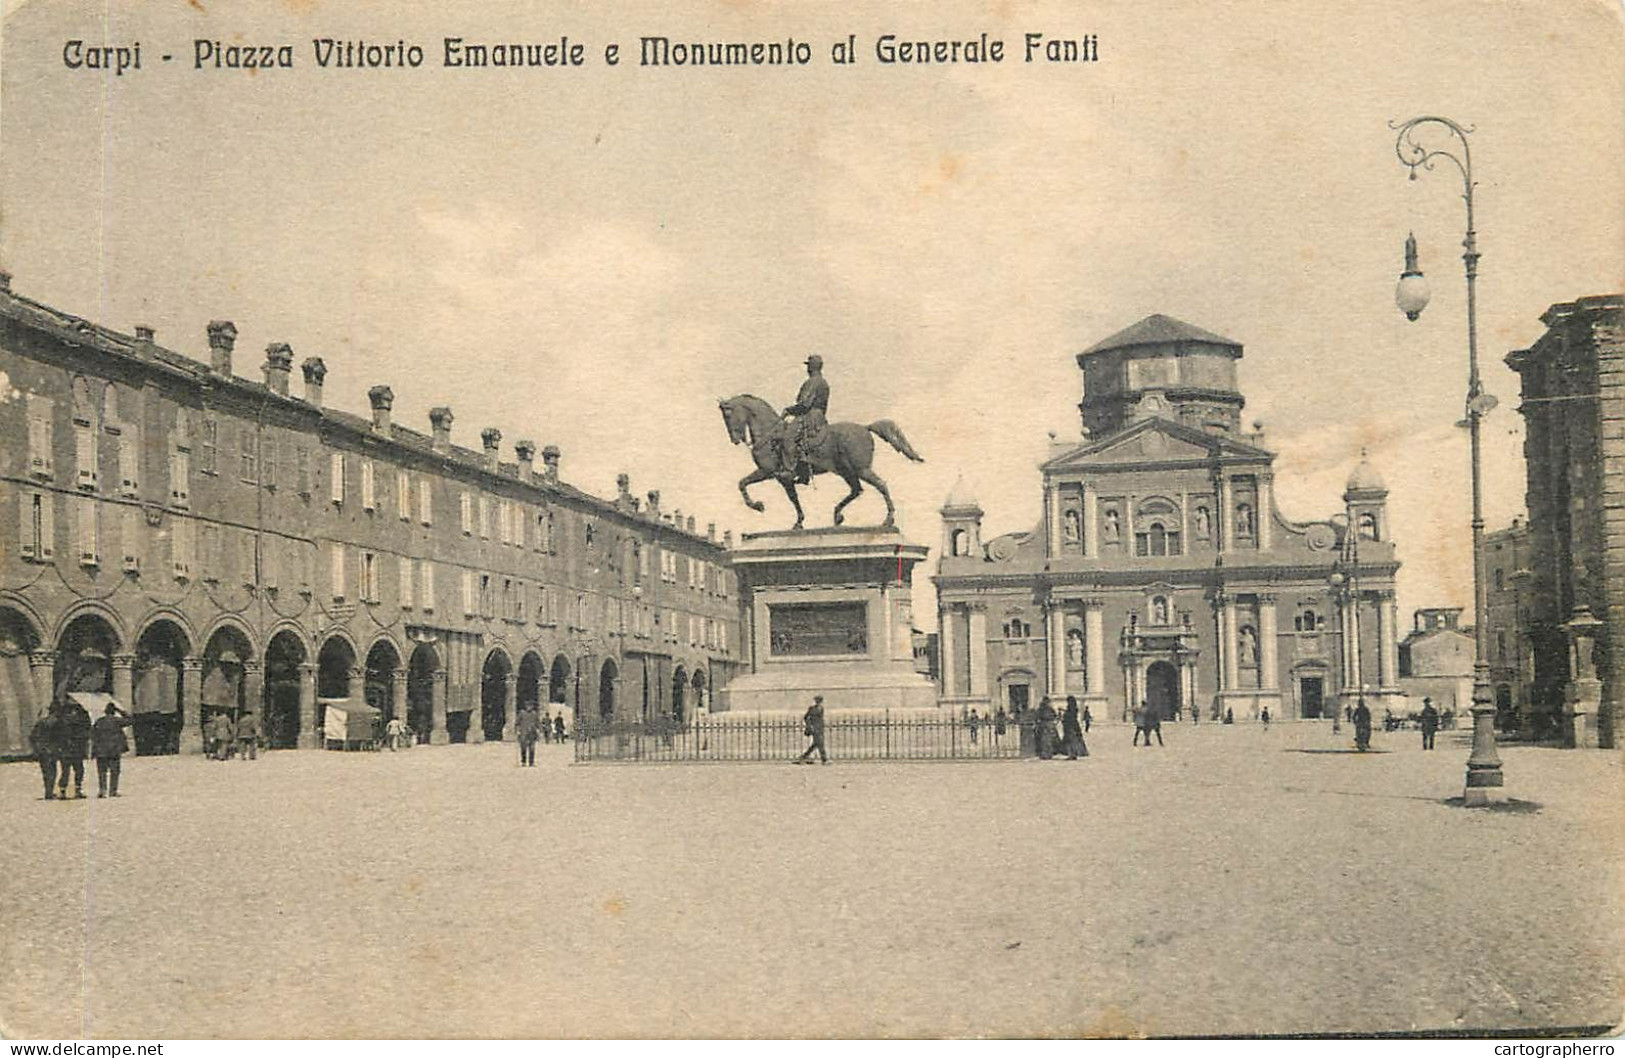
{"points": [[1573, 389], [193, 541], [1436, 661], [1509, 570], [1161, 572], [925, 652]]}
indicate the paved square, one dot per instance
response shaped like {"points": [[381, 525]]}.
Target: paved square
{"points": [[1235, 881]]}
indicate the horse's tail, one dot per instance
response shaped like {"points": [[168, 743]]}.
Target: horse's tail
{"points": [[887, 431]]}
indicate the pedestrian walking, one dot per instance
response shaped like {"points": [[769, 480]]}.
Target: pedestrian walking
{"points": [[529, 729], [1139, 726], [1229, 715], [46, 737], [248, 735], [1265, 717], [1072, 731], [1430, 723], [547, 727], [558, 728], [393, 732], [974, 723], [1087, 719], [220, 735], [1362, 727], [812, 725], [1000, 721], [108, 745], [1153, 723]]}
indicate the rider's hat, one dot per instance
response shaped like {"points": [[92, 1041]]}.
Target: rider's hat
{"points": [[815, 361]]}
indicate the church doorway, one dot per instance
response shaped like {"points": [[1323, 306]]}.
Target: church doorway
{"points": [[1162, 690], [1312, 696]]}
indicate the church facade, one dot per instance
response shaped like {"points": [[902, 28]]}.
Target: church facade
{"points": [[1161, 571]]}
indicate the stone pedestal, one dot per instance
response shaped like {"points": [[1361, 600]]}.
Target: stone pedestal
{"points": [[830, 613]]}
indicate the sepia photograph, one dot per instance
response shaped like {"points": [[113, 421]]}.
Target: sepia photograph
{"points": [[764, 519]]}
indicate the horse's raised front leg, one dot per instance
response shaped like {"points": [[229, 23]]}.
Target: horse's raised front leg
{"points": [[857, 490], [795, 501], [868, 475], [747, 481]]}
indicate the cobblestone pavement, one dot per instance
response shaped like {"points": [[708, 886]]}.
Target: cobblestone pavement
{"points": [[1235, 881]]}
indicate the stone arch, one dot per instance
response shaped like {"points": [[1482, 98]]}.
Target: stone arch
{"points": [[226, 655], [336, 666], [286, 655], [159, 708], [293, 628], [380, 674], [20, 701], [698, 684], [421, 670], [94, 608], [609, 677], [240, 627], [558, 680], [84, 652], [496, 689], [528, 693], [24, 610], [679, 696], [169, 615]]}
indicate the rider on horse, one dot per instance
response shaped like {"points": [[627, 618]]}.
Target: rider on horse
{"points": [[810, 412]]}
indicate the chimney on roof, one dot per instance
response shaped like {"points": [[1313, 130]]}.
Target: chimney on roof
{"points": [[711, 531], [278, 366], [440, 419], [550, 460], [382, 399], [654, 504], [525, 451], [690, 525], [144, 336], [222, 339], [315, 371], [5, 281], [728, 538], [677, 517], [491, 437]]}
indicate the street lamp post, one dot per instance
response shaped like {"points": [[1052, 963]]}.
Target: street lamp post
{"points": [[1345, 581], [1484, 778]]}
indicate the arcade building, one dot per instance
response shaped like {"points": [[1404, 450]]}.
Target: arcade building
{"points": [[1162, 571], [193, 541]]}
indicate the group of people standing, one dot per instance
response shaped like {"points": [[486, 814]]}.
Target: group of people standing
{"points": [[1050, 743], [227, 735], [532, 726], [63, 736]]}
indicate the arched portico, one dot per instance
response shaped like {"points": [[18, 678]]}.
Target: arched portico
{"points": [[20, 702], [496, 695], [161, 692]]}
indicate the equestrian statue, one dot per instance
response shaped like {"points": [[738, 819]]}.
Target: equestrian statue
{"points": [[800, 444]]}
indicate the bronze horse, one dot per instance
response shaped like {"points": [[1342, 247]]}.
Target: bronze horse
{"points": [[846, 449]]}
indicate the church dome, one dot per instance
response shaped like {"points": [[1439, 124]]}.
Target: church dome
{"points": [[1364, 477]]}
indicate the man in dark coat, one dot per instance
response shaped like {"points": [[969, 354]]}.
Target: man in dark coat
{"points": [[1072, 731], [558, 728], [45, 737], [1153, 723], [1362, 727], [812, 725], [72, 748], [1088, 719], [248, 735], [1044, 730], [1430, 723], [108, 745], [527, 731]]}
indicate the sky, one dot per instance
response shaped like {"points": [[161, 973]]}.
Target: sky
{"points": [[591, 257]]}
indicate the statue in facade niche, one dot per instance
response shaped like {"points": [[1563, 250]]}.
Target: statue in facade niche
{"points": [[1070, 523], [1112, 526]]}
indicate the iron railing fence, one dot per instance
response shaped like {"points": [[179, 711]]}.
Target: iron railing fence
{"points": [[724, 737]]}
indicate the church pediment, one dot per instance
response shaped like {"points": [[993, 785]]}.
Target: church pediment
{"points": [[1154, 441]]}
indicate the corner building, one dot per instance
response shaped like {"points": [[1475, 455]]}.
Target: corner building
{"points": [[192, 541], [1161, 571]]}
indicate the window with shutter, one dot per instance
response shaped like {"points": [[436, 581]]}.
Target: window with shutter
{"points": [[130, 538], [485, 517], [428, 587], [180, 478], [84, 444], [210, 445], [405, 589], [128, 447], [466, 502], [502, 521], [183, 547], [369, 497], [209, 542], [268, 463], [270, 555], [248, 445], [41, 412], [425, 510], [301, 464], [468, 593], [248, 559], [369, 577], [403, 496], [336, 477], [337, 560]]}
